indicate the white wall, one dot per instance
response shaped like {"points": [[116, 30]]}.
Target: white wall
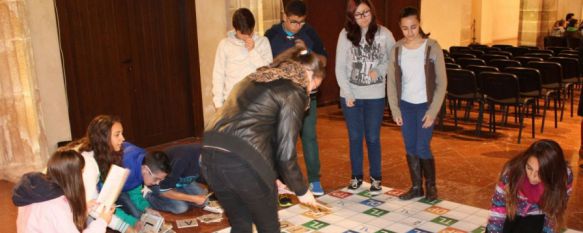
{"points": [[450, 22], [443, 20], [211, 19], [48, 70], [506, 15]]}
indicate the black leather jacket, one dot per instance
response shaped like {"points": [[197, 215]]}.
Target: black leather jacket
{"points": [[260, 122]]}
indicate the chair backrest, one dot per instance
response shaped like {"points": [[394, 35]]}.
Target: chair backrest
{"points": [[488, 57], [570, 66], [556, 49], [458, 49], [541, 51], [573, 42], [525, 60], [571, 55], [491, 49], [502, 46], [516, 51], [452, 66], [529, 79], [555, 41], [544, 56], [470, 61], [476, 52], [551, 72], [503, 63], [479, 47], [457, 55], [504, 53], [500, 86], [461, 82], [449, 60], [529, 47], [480, 68]]}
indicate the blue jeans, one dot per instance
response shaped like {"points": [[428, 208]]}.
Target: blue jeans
{"points": [[161, 203], [417, 139], [364, 118]]}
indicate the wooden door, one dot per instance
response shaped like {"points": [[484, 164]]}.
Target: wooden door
{"points": [[95, 42], [132, 58], [161, 93], [327, 18]]}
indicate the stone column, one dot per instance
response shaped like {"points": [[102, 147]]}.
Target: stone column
{"points": [[536, 20], [23, 144]]}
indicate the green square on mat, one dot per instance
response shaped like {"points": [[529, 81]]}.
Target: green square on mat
{"points": [[365, 193], [376, 212], [315, 224], [444, 221], [423, 200], [480, 229]]}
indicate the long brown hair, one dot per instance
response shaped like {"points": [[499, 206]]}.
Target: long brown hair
{"points": [[353, 31], [553, 175], [65, 168], [98, 139], [412, 11]]}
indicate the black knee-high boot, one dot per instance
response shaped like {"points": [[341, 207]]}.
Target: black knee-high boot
{"points": [[416, 189], [428, 166]]}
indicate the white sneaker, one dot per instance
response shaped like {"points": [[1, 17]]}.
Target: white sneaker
{"points": [[216, 210]]}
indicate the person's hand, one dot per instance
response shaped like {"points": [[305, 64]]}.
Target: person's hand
{"points": [[300, 43], [308, 199], [136, 228], [398, 120], [373, 75], [152, 212], [427, 121], [131, 229], [198, 199], [350, 103], [249, 43], [107, 213], [92, 204]]}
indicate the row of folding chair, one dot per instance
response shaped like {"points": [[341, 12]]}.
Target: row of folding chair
{"points": [[539, 79]]}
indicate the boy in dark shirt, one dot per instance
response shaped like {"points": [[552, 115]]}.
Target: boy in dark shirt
{"points": [[291, 31], [180, 190]]}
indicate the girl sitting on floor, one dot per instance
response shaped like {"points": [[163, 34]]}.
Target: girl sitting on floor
{"points": [[533, 191], [55, 202]]}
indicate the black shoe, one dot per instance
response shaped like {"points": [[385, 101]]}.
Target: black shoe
{"points": [[285, 201], [375, 187], [355, 183]]}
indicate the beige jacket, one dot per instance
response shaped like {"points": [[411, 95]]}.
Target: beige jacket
{"points": [[436, 79]]}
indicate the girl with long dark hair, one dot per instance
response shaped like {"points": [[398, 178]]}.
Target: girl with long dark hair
{"points": [[361, 65], [55, 202], [533, 191]]}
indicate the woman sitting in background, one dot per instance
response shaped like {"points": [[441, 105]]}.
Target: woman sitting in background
{"points": [[55, 202], [533, 191]]}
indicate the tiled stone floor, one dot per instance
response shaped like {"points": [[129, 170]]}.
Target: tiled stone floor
{"points": [[467, 165]]}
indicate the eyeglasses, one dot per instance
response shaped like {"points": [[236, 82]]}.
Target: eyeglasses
{"points": [[359, 15], [156, 179], [295, 22]]}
